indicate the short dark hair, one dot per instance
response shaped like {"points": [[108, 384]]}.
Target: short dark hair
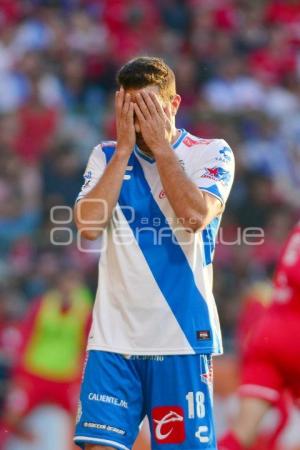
{"points": [[145, 71]]}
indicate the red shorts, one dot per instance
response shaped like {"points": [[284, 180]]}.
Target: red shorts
{"points": [[29, 391], [271, 363]]}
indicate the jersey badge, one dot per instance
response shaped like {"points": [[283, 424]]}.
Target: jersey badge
{"points": [[217, 174]]}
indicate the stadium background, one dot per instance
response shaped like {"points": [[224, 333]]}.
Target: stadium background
{"points": [[237, 64]]}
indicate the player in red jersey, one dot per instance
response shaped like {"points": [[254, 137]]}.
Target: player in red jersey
{"points": [[270, 366], [48, 367]]}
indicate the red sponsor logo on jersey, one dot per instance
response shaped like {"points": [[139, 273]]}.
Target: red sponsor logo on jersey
{"points": [[189, 142], [168, 424], [162, 194]]}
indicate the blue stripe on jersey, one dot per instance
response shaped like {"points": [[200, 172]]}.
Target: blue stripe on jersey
{"points": [[209, 235], [167, 262]]}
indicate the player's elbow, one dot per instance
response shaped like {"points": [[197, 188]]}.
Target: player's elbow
{"points": [[193, 221], [84, 227], [91, 233], [195, 225], [87, 232]]}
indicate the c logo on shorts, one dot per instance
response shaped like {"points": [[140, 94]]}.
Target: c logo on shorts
{"points": [[168, 424]]}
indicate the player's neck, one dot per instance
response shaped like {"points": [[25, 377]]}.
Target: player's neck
{"points": [[146, 150]]}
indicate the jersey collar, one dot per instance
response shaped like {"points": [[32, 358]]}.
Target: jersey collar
{"points": [[175, 144], [180, 138]]}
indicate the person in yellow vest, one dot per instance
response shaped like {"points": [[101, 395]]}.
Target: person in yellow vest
{"points": [[51, 355]]}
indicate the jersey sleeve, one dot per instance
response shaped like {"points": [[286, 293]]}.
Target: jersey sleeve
{"points": [[94, 170], [289, 265], [214, 171]]}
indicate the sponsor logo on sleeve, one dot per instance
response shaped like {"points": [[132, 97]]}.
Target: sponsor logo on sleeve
{"points": [[217, 174], [168, 424], [225, 155]]}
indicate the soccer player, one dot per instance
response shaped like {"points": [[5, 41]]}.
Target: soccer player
{"points": [[156, 195], [271, 367], [53, 339]]}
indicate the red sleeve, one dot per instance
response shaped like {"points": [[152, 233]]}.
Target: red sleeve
{"points": [[288, 268]]}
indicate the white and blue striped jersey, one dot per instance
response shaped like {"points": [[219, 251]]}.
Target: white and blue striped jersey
{"points": [[154, 292]]}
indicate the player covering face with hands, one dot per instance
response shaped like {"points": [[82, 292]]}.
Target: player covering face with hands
{"points": [[156, 194], [143, 118]]}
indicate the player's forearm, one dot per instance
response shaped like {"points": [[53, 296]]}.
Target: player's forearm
{"points": [[94, 211], [186, 199]]}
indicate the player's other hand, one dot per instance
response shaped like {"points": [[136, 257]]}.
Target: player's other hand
{"points": [[124, 123], [154, 122]]}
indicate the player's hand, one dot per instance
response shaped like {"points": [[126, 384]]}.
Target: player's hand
{"points": [[154, 122], [124, 123]]}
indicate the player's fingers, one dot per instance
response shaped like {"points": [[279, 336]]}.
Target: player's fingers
{"points": [[143, 107], [149, 103], [167, 111], [130, 113], [139, 113], [126, 104], [168, 115], [158, 106]]}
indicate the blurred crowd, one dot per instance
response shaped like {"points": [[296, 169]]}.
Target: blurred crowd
{"points": [[237, 64]]}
